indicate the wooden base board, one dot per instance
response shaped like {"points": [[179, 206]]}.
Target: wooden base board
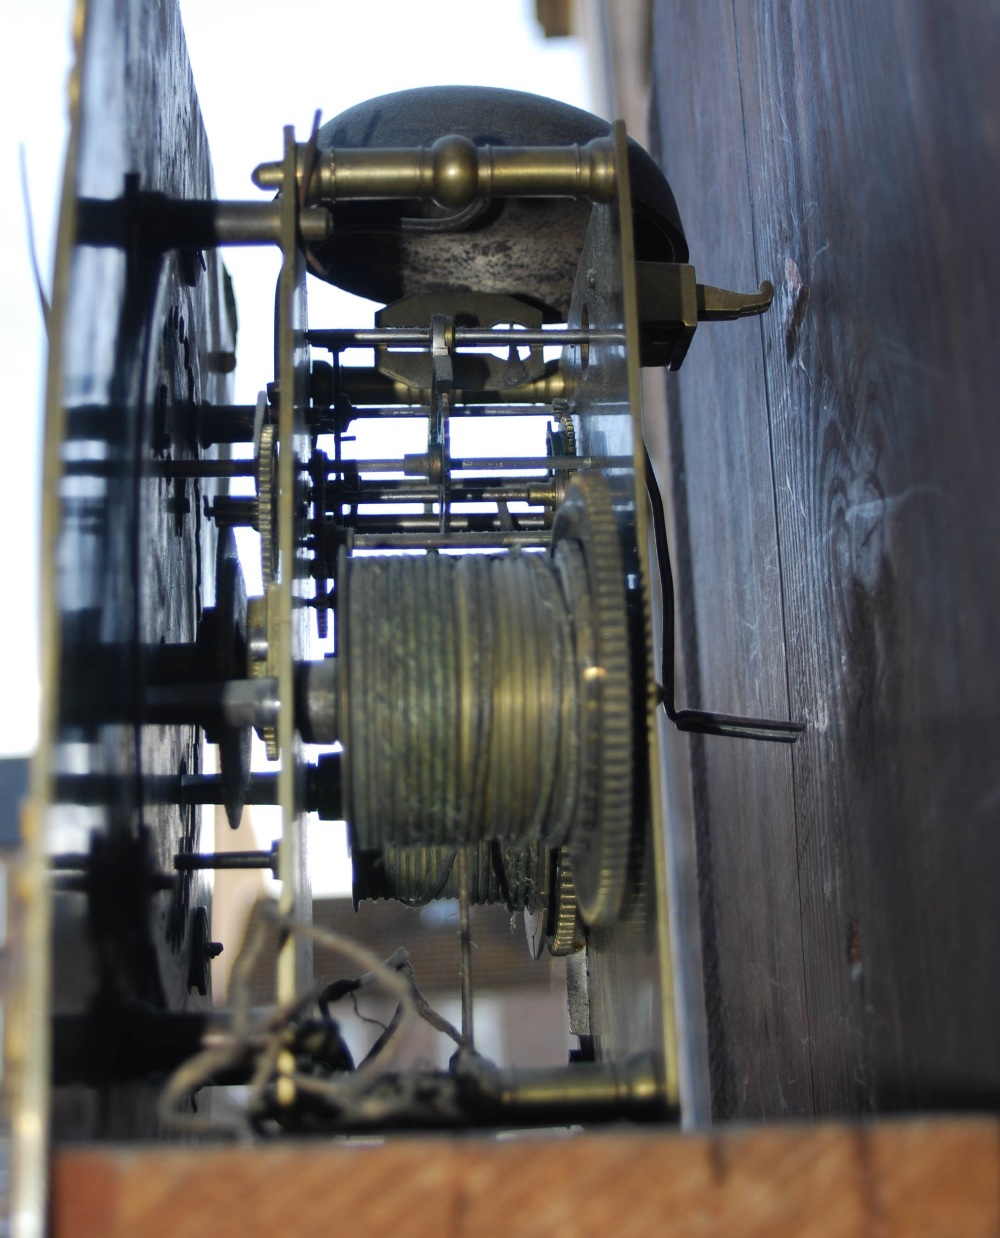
{"points": [[916, 1176]]}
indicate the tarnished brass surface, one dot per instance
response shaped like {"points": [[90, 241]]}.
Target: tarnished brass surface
{"points": [[418, 875], [589, 555], [629, 965], [460, 675], [286, 627], [527, 248], [454, 172], [566, 934], [371, 387], [472, 371], [492, 708], [498, 872]]}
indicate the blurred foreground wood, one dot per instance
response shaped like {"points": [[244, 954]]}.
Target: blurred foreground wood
{"points": [[910, 1177]]}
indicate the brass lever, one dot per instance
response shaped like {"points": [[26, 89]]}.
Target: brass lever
{"points": [[721, 305], [671, 304]]}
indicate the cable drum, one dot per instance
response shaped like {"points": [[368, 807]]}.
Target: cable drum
{"points": [[524, 874], [459, 702], [498, 873], [419, 875], [490, 697]]}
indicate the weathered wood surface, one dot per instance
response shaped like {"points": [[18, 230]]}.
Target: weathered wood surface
{"points": [[901, 1178], [834, 475]]}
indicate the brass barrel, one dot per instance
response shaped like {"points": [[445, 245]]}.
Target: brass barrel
{"points": [[455, 172], [459, 700], [499, 872]]}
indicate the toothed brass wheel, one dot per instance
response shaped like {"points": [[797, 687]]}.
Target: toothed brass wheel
{"points": [[565, 930], [587, 549], [516, 725], [267, 503]]}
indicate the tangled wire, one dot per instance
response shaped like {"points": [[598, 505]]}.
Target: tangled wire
{"points": [[263, 1043]]}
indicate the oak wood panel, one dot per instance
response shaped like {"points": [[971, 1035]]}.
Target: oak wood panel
{"points": [[729, 592], [872, 137], [871, 140], [901, 1178]]}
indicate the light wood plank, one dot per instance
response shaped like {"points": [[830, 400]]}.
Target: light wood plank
{"points": [[905, 1178]]}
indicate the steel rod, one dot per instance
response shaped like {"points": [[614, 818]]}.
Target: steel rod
{"points": [[422, 492], [187, 861], [211, 789], [416, 465], [465, 944], [463, 337], [455, 541], [462, 522], [476, 407]]}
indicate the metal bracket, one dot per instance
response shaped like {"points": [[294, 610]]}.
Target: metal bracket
{"points": [[701, 722], [672, 303]]}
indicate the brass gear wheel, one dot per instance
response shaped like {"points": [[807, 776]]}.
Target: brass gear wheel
{"points": [[565, 931], [267, 502], [587, 548]]}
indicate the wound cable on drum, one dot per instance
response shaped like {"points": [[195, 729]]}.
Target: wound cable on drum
{"points": [[461, 720]]}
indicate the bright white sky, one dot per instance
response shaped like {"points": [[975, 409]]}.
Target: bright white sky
{"points": [[258, 65]]}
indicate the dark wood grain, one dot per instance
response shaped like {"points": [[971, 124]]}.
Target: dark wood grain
{"points": [[871, 135], [729, 594], [874, 177]]}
